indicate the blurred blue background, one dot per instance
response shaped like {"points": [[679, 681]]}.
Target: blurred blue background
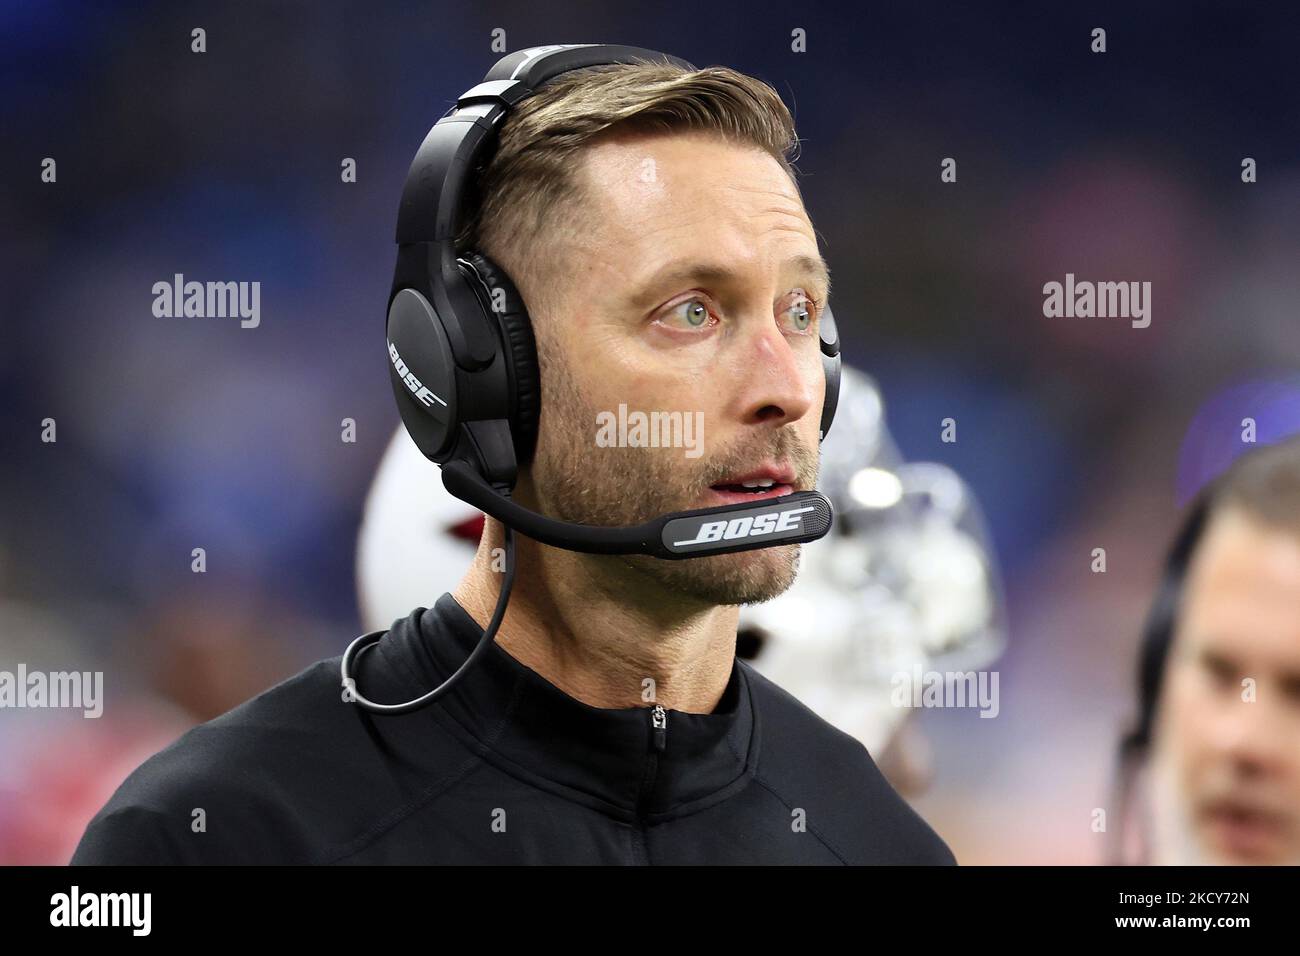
{"points": [[177, 433]]}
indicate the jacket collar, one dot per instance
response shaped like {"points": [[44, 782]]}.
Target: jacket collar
{"points": [[603, 757]]}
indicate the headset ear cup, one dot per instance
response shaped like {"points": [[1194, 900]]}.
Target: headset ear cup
{"points": [[831, 369], [422, 371], [829, 341], [502, 301]]}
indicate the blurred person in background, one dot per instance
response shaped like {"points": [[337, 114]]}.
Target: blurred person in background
{"points": [[1210, 773], [194, 660]]}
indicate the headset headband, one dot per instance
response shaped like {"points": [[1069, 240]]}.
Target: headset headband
{"points": [[435, 187]]}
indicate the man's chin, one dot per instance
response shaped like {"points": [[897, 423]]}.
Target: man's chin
{"points": [[747, 577], [1238, 844]]}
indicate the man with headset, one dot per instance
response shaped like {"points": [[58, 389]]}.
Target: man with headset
{"points": [[647, 215], [1216, 745]]}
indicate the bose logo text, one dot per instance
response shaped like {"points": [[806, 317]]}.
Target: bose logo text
{"points": [[750, 526], [417, 387]]}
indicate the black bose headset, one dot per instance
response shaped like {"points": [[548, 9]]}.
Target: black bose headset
{"points": [[463, 362]]}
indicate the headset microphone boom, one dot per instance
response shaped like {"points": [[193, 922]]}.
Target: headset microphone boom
{"points": [[463, 363]]}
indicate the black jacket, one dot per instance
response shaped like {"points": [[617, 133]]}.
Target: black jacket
{"points": [[506, 768]]}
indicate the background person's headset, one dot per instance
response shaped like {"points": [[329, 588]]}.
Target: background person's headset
{"points": [[1157, 637], [463, 361]]}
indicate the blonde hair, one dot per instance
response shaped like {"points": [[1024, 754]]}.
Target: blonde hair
{"points": [[529, 189]]}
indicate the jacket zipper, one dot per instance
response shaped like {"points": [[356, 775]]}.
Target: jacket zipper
{"points": [[658, 743], [659, 723]]}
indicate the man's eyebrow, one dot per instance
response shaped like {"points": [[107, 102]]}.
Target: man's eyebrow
{"points": [[817, 267], [680, 270]]}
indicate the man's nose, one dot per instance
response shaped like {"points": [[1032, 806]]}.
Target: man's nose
{"points": [[1251, 734], [778, 390]]}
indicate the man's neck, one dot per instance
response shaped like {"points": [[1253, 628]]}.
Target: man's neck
{"points": [[600, 631]]}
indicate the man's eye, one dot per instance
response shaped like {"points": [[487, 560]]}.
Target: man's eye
{"points": [[689, 314], [1220, 671], [800, 313]]}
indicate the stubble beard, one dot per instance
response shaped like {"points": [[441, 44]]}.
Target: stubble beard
{"points": [[575, 480]]}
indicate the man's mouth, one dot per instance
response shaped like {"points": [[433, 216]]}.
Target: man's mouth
{"points": [[770, 481], [1244, 830]]}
